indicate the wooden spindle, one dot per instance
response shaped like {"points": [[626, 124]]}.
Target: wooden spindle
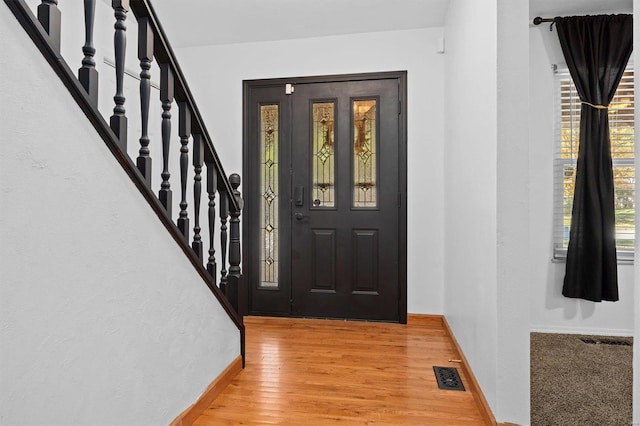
{"points": [[87, 74], [50, 18], [212, 185], [145, 54], [166, 96], [118, 120], [233, 280], [198, 162], [184, 131], [224, 214]]}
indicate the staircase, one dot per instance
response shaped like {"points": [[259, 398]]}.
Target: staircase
{"points": [[157, 136], [195, 145]]}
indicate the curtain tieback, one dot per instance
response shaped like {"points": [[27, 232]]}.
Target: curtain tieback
{"points": [[595, 106]]}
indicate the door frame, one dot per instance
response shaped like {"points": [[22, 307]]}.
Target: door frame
{"points": [[249, 227]]}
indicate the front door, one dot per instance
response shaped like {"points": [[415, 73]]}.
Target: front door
{"points": [[329, 181]]}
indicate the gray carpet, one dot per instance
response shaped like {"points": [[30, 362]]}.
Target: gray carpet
{"points": [[576, 383]]}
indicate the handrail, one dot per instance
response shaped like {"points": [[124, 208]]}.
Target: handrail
{"points": [[229, 200]]}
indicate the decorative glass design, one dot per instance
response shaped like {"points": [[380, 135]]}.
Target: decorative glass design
{"points": [[269, 190], [365, 189], [323, 190]]}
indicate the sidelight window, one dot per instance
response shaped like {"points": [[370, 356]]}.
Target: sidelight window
{"points": [[269, 191]]}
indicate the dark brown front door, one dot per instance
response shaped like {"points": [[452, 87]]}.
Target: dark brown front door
{"points": [[328, 239]]}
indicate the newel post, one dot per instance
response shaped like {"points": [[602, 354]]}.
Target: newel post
{"points": [[235, 273]]}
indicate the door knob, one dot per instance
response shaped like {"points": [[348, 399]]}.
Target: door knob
{"points": [[298, 216]]}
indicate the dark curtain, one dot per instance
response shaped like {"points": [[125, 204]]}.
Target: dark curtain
{"points": [[596, 49]]}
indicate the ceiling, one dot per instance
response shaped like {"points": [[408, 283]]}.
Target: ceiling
{"points": [[242, 21], [211, 22]]}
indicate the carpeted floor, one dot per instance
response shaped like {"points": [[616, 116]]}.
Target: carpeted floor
{"points": [[577, 383]]}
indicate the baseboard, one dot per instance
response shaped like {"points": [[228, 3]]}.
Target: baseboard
{"points": [[424, 319], [617, 332], [483, 405], [441, 322], [188, 416]]}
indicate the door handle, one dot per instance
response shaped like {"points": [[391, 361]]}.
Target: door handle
{"points": [[298, 216], [298, 196]]}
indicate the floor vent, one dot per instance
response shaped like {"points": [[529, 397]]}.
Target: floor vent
{"points": [[448, 378], [608, 341]]}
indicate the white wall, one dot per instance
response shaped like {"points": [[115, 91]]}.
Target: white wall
{"points": [[215, 75], [103, 320], [471, 185], [513, 249], [486, 197], [549, 310]]}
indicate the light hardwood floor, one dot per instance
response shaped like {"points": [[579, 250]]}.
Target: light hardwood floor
{"points": [[325, 372]]}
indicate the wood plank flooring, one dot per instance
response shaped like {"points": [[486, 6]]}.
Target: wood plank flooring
{"points": [[325, 372]]}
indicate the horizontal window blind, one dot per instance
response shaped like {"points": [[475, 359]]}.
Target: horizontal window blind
{"points": [[622, 132]]}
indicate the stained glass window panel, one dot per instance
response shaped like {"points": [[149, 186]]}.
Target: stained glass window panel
{"points": [[365, 189], [269, 201], [323, 162]]}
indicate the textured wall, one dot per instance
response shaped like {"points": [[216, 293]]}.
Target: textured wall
{"points": [[513, 212], [470, 185], [486, 197], [102, 318]]}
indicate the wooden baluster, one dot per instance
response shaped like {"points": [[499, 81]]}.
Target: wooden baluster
{"points": [[118, 119], [212, 187], [166, 96], [198, 162], [184, 130], [145, 54], [50, 18], [233, 279], [87, 74], [224, 214]]}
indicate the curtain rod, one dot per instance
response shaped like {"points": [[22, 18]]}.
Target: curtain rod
{"points": [[538, 20]]}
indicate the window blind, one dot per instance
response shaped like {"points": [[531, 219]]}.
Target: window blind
{"points": [[622, 133]]}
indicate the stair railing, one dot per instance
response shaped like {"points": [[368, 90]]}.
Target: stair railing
{"points": [[194, 139]]}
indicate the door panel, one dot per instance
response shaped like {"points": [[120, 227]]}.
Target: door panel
{"points": [[265, 230], [356, 275], [336, 245], [324, 260], [365, 265]]}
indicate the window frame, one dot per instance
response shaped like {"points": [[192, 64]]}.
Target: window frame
{"points": [[624, 255]]}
